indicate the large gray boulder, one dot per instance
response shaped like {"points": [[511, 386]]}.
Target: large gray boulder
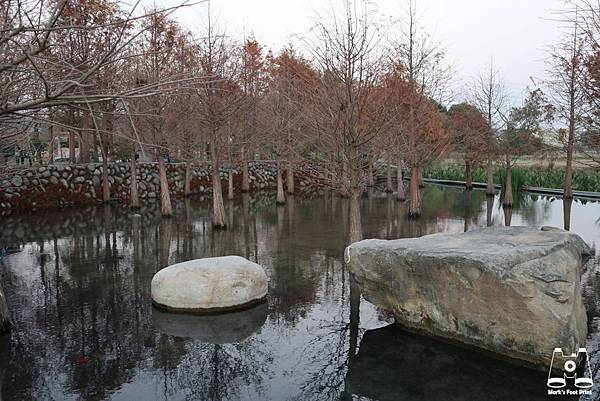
{"points": [[209, 285], [514, 291]]}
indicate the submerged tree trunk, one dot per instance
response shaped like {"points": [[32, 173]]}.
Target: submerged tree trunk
{"points": [[290, 178], [491, 190], [4, 316], [280, 191], [507, 215], [508, 192], [490, 211], [218, 220], [389, 187], [165, 198], [401, 196], [245, 173], [567, 205], [187, 186], [355, 218], [135, 196], [468, 176], [414, 193]]}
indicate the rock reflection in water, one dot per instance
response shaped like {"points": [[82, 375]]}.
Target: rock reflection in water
{"points": [[393, 365], [227, 328]]}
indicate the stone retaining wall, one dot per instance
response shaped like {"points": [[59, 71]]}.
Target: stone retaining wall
{"points": [[58, 186]]}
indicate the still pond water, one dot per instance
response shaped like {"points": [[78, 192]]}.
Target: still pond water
{"points": [[78, 283]]}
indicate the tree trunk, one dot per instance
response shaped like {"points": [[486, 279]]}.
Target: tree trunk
{"points": [[187, 186], [468, 176], [230, 193], [389, 187], [105, 183], [491, 190], [4, 316], [83, 148], [165, 198], [568, 190], [72, 147], [344, 181], [50, 148], [218, 220], [371, 179], [280, 192], [421, 179], [508, 192], [414, 193], [355, 219], [290, 178], [245, 174], [135, 197], [401, 197]]}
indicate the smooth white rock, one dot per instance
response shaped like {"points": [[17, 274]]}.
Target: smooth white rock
{"points": [[211, 284]]}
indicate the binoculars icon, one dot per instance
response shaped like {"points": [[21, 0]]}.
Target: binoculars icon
{"points": [[567, 366]]}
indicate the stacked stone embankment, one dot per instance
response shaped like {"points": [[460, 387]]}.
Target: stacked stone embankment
{"points": [[62, 185]]}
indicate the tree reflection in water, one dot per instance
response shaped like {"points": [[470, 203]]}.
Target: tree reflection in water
{"points": [[78, 287]]}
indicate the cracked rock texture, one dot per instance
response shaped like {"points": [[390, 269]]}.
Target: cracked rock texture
{"points": [[513, 291]]}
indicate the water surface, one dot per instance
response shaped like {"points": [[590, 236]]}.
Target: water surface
{"points": [[78, 284]]}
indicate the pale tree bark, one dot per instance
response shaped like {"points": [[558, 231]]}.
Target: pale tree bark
{"points": [[245, 173], [355, 216], [187, 186], [468, 176], [491, 190], [290, 178], [389, 187], [280, 191], [135, 197], [401, 196], [4, 315], [218, 220], [165, 198], [414, 193]]}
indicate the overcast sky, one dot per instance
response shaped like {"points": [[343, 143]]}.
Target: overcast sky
{"points": [[515, 33]]}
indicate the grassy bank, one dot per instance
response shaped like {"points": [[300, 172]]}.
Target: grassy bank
{"points": [[545, 178]]}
